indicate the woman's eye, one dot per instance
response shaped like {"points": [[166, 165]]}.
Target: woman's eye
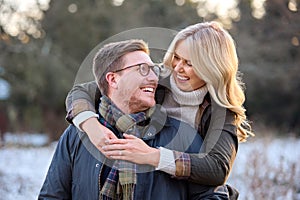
{"points": [[176, 57], [189, 64]]}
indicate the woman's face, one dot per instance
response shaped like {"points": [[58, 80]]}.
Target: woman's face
{"points": [[184, 75]]}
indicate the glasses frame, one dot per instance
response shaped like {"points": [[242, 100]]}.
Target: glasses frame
{"points": [[140, 71]]}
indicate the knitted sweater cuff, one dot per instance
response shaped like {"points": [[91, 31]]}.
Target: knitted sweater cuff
{"points": [[166, 161]]}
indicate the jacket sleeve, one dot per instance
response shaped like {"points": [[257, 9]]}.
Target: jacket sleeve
{"points": [[214, 162], [81, 98], [58, 182]]}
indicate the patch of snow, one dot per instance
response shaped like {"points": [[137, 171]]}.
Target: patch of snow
{"points": [[23, 170], [265, 168], [26, 139]]}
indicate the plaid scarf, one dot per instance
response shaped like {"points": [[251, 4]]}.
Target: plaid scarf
{"points": [[121, 181]]}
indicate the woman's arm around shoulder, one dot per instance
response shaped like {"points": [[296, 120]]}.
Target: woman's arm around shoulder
{"points": [[81, 98], [80, 105]]}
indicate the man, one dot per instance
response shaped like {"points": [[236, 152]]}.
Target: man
{"points": [[127, 79]]}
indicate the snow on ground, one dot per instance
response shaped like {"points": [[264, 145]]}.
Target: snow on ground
{"points": [[265, 168], [268, 168], [22, 171]]}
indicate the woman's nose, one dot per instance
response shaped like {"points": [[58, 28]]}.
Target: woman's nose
{"points": [[178, 66]]}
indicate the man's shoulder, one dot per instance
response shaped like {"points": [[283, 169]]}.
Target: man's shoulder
{"points": [[180, 127], [177, 123], [70, 136], [181, 136], [71, 131]]}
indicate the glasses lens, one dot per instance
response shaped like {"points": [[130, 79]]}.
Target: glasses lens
{"points": [[144, 69], [156, 70]]}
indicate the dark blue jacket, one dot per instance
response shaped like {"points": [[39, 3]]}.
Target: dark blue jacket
{"points": [[74, 172], [75, 167]]}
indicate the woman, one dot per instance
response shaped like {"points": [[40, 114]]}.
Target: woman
{"points": [[204, 90]]}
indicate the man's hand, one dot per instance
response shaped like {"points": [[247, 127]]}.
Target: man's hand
{"points": [[97, 133]]}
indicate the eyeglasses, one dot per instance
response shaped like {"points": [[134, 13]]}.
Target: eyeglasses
{"points": [[144, 69]]}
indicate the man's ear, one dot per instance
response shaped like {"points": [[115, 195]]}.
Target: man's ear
{"points": [[112, 79]]}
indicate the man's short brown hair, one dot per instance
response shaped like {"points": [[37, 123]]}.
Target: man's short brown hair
{"points": [[109, 58]]}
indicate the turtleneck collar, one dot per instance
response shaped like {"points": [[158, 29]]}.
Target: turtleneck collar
{"points": [[192, 98]]}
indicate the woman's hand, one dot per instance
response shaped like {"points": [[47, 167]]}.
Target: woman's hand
{"points": [[132, 149], [97, 133]]}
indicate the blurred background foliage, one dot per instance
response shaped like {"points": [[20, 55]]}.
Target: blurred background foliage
{"points": [[43, 44]]}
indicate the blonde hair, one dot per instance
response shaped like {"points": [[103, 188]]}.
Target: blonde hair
{"points": [[214, 60]]}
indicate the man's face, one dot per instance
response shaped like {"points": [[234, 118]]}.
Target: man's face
{"points": [[135, 93]]}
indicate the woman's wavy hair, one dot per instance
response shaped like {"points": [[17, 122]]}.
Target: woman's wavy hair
{"points": [[214, 60]]}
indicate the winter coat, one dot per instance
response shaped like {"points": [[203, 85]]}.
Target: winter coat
{"points": [[74, 172]]}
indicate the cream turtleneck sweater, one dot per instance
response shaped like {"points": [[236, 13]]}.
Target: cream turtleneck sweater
{"points": [[183, 105]]}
